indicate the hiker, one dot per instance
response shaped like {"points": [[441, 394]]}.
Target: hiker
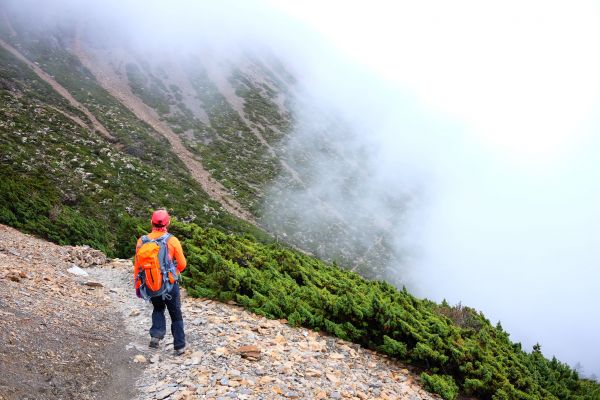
{"points": [[159, 260]]}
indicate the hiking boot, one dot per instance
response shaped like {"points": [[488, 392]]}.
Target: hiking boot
{"points": [[154, 341], [179, 352]]}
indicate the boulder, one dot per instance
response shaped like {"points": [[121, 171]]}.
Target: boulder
{"points": [[250, 352], [85, 256]]}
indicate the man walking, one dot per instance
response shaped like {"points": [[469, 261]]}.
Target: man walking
{"points": [[158, 262]]}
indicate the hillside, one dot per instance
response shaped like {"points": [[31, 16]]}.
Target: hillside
{"points": [[66, 168], [226, 119]]}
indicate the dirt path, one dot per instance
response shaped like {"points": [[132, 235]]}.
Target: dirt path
{"points": [[118, 88], [233, 353], [96, 125], [60, 339], [72, 117]]}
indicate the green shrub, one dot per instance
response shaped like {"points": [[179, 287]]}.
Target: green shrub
{"points": [[443, 385], [393, 347]]}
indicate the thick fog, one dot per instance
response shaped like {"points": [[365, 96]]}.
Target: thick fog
{"points": [[488, 118], [483, 120]]}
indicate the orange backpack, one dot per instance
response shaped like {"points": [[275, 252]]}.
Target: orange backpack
{"points": [[157, 274]]}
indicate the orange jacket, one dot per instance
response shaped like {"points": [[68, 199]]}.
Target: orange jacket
{"points": [[175, 251]]}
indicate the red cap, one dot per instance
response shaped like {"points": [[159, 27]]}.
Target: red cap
{"points": [[160, 218]]}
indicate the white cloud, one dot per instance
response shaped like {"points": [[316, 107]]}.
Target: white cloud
{"points": [[522, 76]]}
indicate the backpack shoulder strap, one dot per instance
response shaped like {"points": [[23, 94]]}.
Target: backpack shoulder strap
{"points": [[164, 249], [143, 240], [164, 238]]}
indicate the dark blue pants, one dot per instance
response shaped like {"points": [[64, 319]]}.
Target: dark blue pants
{"points": [[159, 324]]}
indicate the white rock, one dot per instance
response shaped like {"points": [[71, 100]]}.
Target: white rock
{"points": [[139, 359], [75, 270], [166, 392]]}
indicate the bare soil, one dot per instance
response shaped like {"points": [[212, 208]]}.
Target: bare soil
{"points": [[60, 339]]}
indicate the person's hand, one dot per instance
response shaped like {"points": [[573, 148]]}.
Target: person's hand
{"points": [[138, 293]]}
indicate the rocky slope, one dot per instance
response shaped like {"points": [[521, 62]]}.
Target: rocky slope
{"points": [[60, 336], [73, 330]]}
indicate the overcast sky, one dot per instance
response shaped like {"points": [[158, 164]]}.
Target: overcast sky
{"points": [[507, 146]]}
